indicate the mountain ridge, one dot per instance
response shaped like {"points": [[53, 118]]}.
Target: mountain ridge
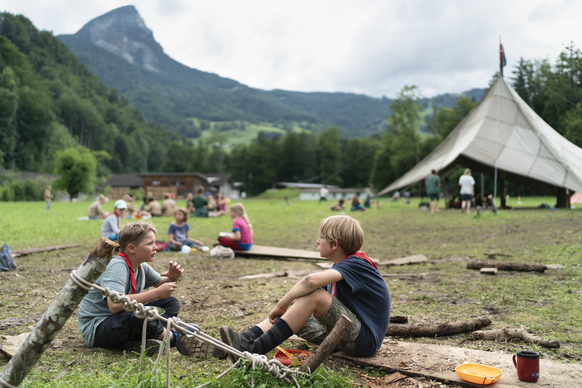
{"points": [[171, 93]]}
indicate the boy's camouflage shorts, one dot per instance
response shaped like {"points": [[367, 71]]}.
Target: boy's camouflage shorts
{"points": [[316, 329]]}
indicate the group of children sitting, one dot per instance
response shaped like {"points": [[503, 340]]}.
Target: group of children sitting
{"points": [[353, 287], [240, 238]]}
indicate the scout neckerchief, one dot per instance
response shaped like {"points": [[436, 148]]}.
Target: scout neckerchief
{"points": [[131, 273], [362, 255]]}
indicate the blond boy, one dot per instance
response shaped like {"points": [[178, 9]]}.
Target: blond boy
{"points": [[353, 286], [106, 324]]}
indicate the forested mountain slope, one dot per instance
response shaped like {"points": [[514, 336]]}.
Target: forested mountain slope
{"points": [[50, 101], [122, 51]]}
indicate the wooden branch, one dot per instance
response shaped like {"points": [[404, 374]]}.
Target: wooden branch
{"points": [[328, 345], [509, 334], [507, 266], [441, 330], [57, 314], [25, 252]]}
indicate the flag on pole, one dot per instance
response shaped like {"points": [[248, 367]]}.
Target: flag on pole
{"points": [[502, 58]]}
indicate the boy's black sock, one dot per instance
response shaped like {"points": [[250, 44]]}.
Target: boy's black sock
{"points": [[253, 333], [276, 335]]}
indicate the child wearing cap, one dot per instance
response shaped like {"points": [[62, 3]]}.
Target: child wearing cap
{"points": [[110, 227]]}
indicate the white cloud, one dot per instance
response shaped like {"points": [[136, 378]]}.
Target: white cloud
{"points": [[372, 47]]}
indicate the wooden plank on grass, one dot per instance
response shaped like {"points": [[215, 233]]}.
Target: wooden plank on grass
{"points": [[405, 260], [438, 362], [25, 252], [283, 253]]}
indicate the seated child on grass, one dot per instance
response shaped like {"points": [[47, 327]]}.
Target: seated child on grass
{"points": [[338, 206], [106, 324], [354, 288], [178, 233], [241, 238], [110, 227]]}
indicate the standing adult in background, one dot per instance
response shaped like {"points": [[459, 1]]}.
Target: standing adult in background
{"points": [[467, 184], [48, 197], [433, 188], [323, 192], [168, 206]]}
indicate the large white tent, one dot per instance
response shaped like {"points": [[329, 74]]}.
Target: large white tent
{"points": [[503, 131]]}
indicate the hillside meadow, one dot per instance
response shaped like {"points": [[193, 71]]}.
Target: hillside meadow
{"points": [[212, 295]]}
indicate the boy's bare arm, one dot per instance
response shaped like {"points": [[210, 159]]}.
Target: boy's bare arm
{"points": [[305, 286]]}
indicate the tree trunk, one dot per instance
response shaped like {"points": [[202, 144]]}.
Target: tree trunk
{"points": [[507, 266], [57, 314], [441, 330]]}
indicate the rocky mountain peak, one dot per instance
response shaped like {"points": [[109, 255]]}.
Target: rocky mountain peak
{"points": [[123, 33]]}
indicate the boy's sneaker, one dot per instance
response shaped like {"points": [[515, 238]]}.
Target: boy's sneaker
{"points": [[134, 346], [190, 346], [232, 338]]}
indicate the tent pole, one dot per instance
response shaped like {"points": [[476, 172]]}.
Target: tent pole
{"points": [[496, 133], [482, 185]]}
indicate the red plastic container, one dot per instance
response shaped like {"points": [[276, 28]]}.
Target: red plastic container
{"points": [[280, 356]]}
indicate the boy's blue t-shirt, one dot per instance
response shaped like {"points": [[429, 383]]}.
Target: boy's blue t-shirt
{"points": [[364, 292], [179, 232]]}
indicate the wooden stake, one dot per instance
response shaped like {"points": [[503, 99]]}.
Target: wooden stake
{"points": [[57, 314], [328, 345]]}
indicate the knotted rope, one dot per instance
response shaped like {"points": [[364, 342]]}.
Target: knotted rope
{"points": [[274, 367]]}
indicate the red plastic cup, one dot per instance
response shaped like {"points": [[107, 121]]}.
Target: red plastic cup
{"points": [[528, 366]]}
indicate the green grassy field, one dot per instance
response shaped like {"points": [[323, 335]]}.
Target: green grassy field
{"points": [[546, 303]]}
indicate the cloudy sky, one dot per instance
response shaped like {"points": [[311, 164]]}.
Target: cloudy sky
{"points": [[373, 47]]}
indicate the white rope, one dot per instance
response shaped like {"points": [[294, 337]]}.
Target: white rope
{"points": [[147, 313]]}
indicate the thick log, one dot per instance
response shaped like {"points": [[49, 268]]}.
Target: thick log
{"points": [[57, 314], [328, 345], [509, 334], [507, 266], [441, 330]]}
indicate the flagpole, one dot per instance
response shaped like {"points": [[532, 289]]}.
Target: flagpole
{"points": [[496, 131]]}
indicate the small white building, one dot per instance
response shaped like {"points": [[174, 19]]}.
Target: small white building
{"points": [[334, 194]]}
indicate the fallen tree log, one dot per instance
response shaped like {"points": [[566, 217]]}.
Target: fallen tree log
{"points": [[509, 334], [507, 266], [441, 329]]}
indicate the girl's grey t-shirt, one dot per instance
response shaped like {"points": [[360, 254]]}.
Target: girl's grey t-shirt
{"points": [[94, 309]]}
